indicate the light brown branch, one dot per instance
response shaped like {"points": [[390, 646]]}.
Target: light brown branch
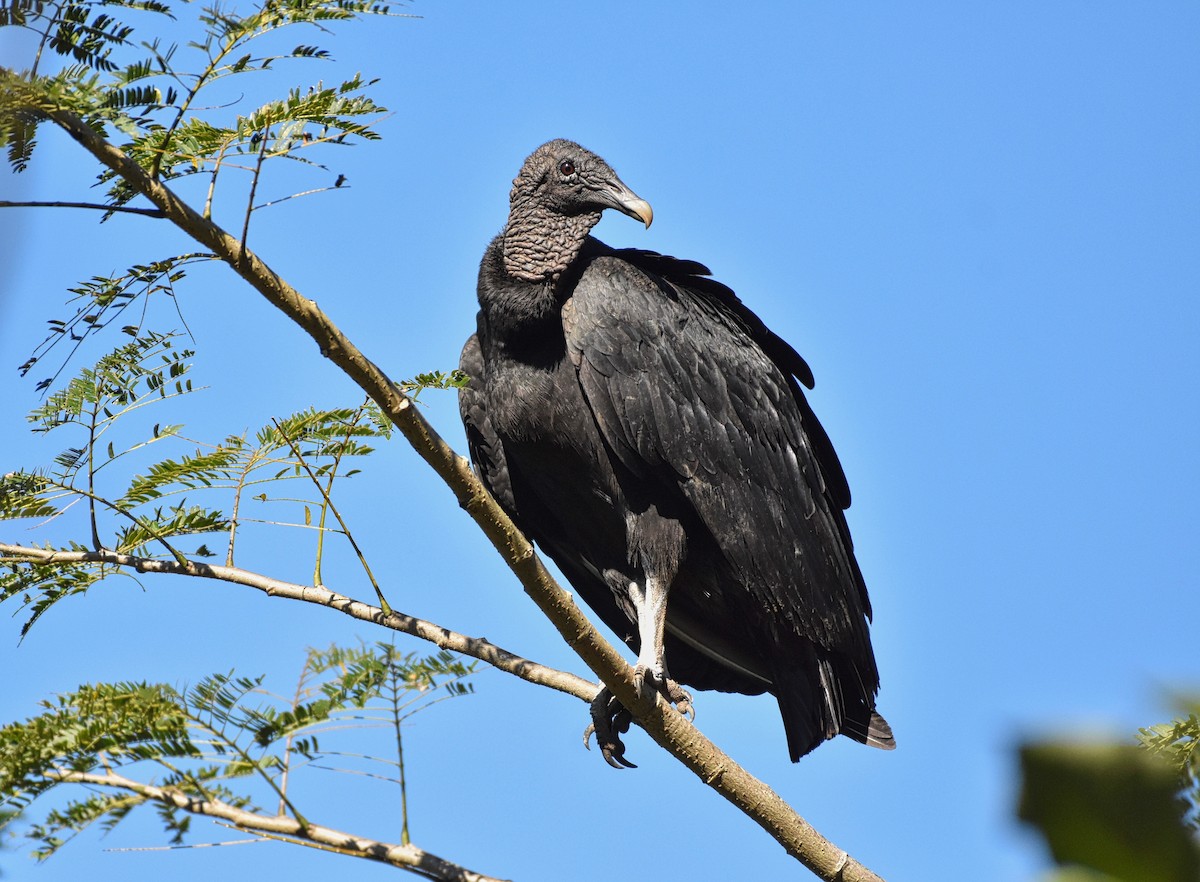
{"points": [[663, 724], [443, 638], [408, 857]]}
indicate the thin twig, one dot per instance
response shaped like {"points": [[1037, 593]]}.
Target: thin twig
{"points": [[145, 212], [262, 152], [397, 720], [91, 464], [297, 196], [329, 503]]}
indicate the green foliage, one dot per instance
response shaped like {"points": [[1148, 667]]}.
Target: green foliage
{"points": [[444, 380], [1176, 742], [169, 522], [223, 739], [38, 586], [331, 108], [106, 727], [146, 370], [102, 300], [148, 512], [374, 683], [1110, 809], [27, 496], [149, 367], [151, 91]]}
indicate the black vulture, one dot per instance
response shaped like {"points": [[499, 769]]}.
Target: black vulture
{"points": [[648, 432]]}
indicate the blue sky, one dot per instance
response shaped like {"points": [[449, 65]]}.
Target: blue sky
{"points": [[979, 225]]}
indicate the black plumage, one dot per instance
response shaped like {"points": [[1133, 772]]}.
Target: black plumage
{"points": [[649, 433]]}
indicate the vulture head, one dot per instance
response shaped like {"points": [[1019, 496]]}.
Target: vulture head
{"points": [[556, 199]]}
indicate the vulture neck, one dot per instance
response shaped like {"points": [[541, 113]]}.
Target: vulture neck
{"points": [[540, 244], [523, 316]]}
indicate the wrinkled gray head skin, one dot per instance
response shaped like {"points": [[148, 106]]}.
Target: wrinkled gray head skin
{"points": [[556, 199]]}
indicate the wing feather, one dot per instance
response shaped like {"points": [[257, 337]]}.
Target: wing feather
{"points": [[688, 386]]}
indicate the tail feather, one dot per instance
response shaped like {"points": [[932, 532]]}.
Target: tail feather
{"points": [[877, 732], [821, 697]]}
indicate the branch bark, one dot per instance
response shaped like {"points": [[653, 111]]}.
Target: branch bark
{"points": [[664, 725], [280, 826], [443, 638]]}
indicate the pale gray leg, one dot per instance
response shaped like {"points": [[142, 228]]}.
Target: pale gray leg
{"points": [[609, 718], [651, 670], [651, 604]]}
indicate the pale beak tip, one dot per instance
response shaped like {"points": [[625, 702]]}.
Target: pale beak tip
{"points": [[641, 208]]}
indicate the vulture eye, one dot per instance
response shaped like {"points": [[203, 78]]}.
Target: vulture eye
{"points": [[566, 168]]}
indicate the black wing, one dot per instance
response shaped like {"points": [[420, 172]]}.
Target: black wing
{"points": [[494, 471], [688, 386]]}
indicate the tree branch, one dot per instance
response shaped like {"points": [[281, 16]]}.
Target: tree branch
{"points": [[668, 728], [147, 212], [443, 638], [408, 857]]}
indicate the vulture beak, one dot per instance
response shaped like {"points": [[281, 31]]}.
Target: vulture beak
{"points": [[615, 194], [640, 209]]}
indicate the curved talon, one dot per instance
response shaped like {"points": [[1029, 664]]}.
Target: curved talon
{"points": [[683, 703], [681, 698], [609, 720], [646, 681]]}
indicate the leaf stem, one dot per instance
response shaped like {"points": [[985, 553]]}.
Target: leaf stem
{"points": [[393, 675], [387, 609]]}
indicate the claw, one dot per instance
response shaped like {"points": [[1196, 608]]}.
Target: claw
{"points": [[682, 699], [650, 679], [609, 721]]}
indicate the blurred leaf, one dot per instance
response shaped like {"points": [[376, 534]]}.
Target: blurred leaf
{"points": [[1108, 807], [1176, 743], [1079, 874]]}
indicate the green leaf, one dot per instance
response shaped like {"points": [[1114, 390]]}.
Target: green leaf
{"points": [[177, 520], [202, 741], [26, 495], [201, 469], [1108, 807], [39, 586]]}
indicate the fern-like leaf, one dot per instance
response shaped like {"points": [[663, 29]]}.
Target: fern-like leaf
{"points": [[27, 495]]}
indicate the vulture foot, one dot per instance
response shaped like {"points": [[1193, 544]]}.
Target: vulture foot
{"points": [[650, 680], [609, 720]]}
